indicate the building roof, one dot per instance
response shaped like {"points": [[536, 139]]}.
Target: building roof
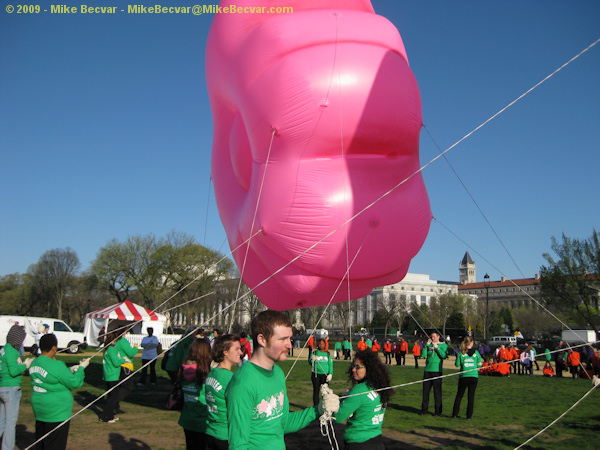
{"points": [[467, 259], [501, 283]]}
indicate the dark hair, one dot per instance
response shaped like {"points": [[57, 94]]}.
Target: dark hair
{"points": [[265, 322], [221, 345], [48, 341], [377, 376], [200, 354]]}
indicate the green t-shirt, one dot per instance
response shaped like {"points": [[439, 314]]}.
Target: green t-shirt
{"points": [[435, 357], [11, 369], [125, 348], [466, 362], [364, 413], [51, 382], [216, 384], [194, 414], [321, 362], [347, 345], [258, 409], [111, 363], [337, 346], [178, 353]]}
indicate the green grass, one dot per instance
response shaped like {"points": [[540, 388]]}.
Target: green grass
{"points": [[508, 411]]}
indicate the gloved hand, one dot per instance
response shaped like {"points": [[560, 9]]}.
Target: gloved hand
{"points": [[74, 368], [435, 345], [85, 362], [127, 360], [428, 341], [28, 362], [330, 403], [329, 377], [595, 380]]}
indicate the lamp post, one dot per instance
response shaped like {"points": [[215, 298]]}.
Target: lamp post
{"points": [[486, 284]]}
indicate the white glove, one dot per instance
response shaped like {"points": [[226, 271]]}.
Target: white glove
{"points": [[74, 368], [329, 377], [127, 360], [428, 341], [28, 362], [85, 362], [330, 403], [435, 345], [595, 380]]}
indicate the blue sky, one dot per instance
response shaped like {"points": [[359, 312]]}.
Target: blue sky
{"points": [[105, 129]]}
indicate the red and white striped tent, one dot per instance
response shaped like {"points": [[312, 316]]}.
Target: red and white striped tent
{"points": [[124, 311]]}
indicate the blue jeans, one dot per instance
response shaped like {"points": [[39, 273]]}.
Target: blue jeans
{"points": [[10, 399]]}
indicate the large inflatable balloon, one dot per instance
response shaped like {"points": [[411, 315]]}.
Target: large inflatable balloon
{"points": [[316, 119]]}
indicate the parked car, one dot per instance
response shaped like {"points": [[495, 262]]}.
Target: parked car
{"points": [[67, 339]]}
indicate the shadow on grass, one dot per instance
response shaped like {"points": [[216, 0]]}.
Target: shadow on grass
{"points": [[119, 442], [459, 436], [24, 438]]}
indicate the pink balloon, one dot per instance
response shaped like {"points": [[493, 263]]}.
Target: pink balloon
{"points": [[316, 118]]}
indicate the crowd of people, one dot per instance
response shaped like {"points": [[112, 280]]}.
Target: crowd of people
{"points": [[248, 408]]}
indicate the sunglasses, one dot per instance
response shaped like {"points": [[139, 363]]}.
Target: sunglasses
{"points": [[354, 366]]}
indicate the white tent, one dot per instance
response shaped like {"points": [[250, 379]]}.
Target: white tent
{"points": [[124, 311]]}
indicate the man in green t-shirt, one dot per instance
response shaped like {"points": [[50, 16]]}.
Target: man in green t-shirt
{"points": [[51, 397], [257, 403], [434, 353]]}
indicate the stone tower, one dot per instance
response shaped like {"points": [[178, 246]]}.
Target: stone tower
{"points": [[466, 269]]}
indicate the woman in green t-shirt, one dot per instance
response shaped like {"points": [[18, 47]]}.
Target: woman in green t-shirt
{"points": [[193, 373], [364, 405], [226, 351], [469, 362]]}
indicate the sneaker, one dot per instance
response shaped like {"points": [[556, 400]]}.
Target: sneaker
{"points": [[110, 421]]}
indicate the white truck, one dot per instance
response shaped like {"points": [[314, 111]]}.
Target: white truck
{"points": [[66, 337], [575, 337]]}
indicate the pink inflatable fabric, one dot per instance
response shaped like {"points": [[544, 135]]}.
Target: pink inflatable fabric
{"points": [[316, 116]]}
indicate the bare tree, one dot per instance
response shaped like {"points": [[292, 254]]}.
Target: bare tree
{"points": [[55, 274]]}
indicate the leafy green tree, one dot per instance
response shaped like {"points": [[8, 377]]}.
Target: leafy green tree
{"points": [[570, 281], [15, 294]]}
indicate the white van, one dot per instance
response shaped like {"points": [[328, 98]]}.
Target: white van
{"points": [[497, 341], [67, 338]]}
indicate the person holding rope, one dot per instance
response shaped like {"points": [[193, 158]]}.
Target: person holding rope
{"points": [[434, 353], [194, 415], [227, 352], [468, 361], [51, 397], [257, 403], [364, 406], [11, 376], [321, 369], [113, 372]]}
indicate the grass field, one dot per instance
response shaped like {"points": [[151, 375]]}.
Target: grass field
{"points": [[508, 411]]}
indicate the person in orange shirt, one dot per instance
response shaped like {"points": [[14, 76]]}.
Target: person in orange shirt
{"points": [[504, 353], [362, 344], [310, 344], [573, 360], [387, 352], [503, 368], [548, 371], [327, 343], [485, 366], [403, 351], [513, 357], [375, 347], [416, 351]]}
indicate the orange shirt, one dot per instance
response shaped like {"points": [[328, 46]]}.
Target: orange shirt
{"points": [[362, 345], [404, 346], [311, 342], [387, 347], [548, 371], [375, 346], [326, 345], [416, 350], [485, 369], [505, 354], [574, 358], [504, 368]]}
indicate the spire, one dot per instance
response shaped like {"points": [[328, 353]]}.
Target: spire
{"points": [[467, 259]]}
